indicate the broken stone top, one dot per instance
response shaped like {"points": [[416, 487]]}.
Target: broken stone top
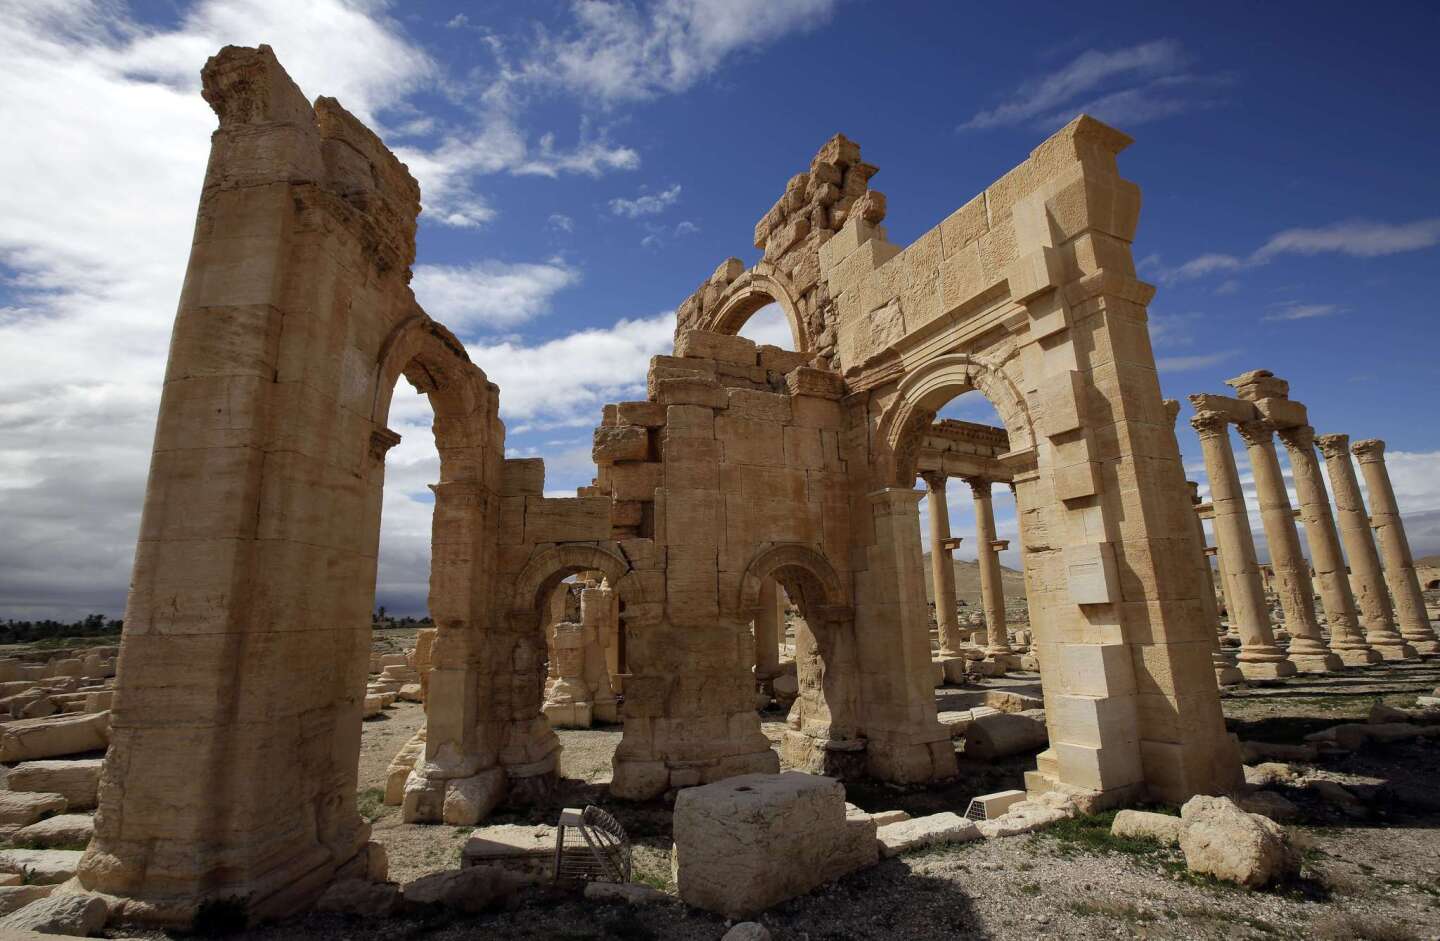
{"points": [[836, 186], [1259, 384]]}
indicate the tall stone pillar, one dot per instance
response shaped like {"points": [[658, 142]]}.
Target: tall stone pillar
{"points": [[1226, 672], [767, 631], [1292, 572], [942, 571], [1395, 548], [1371, 597], [1259, 658], [1346, 639], [992, 589]]}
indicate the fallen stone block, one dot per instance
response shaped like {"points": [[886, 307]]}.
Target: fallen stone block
{"points": [[76, 779], [1332, 792], [66, 734], [471, 890], [1000, 734], [1004, 700], [76, 915], [1381, 714], [1162, 828], [359, 897], [411, 692], [1268, 804], [22, 808], [631, 893], [14, 897], [1221, 840], [1270, 773], [747, 931], [526, 850], [67, 831], [896, 838], [374, 706], [1029, 815], [42, 867], [957, 722], [749, 842], [400, 767], [470, 800]]}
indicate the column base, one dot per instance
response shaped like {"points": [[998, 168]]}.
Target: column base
{"points": [[1360, 657], [844, 760], [1227, 675], [1395, 653], [1266, 669], [954, 667], [1424, 647], [1316, 662], [901, 762]]}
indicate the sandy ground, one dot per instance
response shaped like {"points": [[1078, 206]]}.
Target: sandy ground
{"points": [[1373, 876]]}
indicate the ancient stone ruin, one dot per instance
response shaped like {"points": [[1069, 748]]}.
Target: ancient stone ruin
{"points": [[748, 478]]}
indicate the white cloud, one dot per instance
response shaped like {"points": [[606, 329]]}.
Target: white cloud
{"points": [[561, 222], [1293, 310], [647, 204], [769, 325], [485, 295], [1188, 363], [1127, 87], [1358, 239], [619, 52]]}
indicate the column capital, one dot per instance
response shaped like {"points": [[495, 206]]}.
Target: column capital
{"points": [[1256, 433], [935, 480], [1299, 438], [1333, 445], [1371, 449], [979, 485], [1210, 424]]}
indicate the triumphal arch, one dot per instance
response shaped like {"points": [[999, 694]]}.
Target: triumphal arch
{"points": [[236, 723]]}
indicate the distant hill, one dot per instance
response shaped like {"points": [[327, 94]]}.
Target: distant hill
{"points": [[967, 582]]}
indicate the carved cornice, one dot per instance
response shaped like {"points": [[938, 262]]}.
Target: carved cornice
{"points": [[1257, 434], [1371, 449], [1210, 425], [1299, 438]]}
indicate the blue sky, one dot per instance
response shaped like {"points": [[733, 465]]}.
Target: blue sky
{"points": [[585, 165]]}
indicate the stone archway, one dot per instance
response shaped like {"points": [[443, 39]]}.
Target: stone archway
{"points": [[824, 735], [753, 290]]}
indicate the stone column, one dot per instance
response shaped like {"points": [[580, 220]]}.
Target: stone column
{"points": [[992, 590], [1371, 597], [1291, 571], [767, 631], [1346, 639], [1395, 548], [1259, 658], [942, 571], [1226, 672]]}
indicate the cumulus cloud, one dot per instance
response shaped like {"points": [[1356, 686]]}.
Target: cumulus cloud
{"points": [[769, 325], [646, 204], [488, 295], [620, 52], [1128, 87]]}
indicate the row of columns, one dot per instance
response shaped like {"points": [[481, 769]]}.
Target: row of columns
{"points": [[1368, 638], [996, 640]]}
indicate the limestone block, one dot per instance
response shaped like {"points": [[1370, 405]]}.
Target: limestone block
{"points": [[1221, 840], [749, 842], [525, 849], [361, 897], [763, 406], [470, 800], [1268, 804], [45, 867], [648, 414], [620, 443], [373, 706], [18, 895], [702, 344], [76, 915], [896, 838], [1090, 573], [471, 890], [1268, 773], [66, 831], [1029, 815], [1001, 734], [567, 519], [1140, 823], [691, 391], [68, 734], [22, 808]]}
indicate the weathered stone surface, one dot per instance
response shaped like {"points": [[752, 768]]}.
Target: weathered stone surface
{"points": [[68, 831], [747, 931], [44, 867], [80, 915], [22, 808], [14, 897], [76, 779], [1029, 815], [68, 734], [1139, 823], [1221, 840], [1268, 804], [470, 800], [1270, 773], [896, 838], [471, 890], [526, 849], [361, 897], [1000, 734], [750, 842]]}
